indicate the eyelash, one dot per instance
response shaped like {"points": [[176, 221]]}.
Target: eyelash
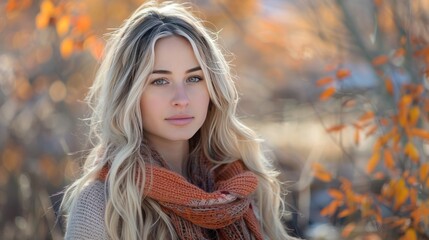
{"points": [[197, 77], [165, 81], [156, 81]]}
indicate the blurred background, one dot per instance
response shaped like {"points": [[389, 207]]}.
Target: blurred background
{"points": [[337, 88]]}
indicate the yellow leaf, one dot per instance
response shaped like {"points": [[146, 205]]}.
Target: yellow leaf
{"points": [[406, 100], [424, 171], [327, 93], [324, 81], [66, 47], [42, 20], [411, 151], [63, 25], [410, 234], [414, 115], [47, 7], [373, 161], [401, 193]]}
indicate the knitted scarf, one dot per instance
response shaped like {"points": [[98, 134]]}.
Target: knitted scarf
{"points": [[211, 205]]}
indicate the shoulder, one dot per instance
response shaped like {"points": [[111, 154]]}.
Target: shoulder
{"points": [[86, 216]]}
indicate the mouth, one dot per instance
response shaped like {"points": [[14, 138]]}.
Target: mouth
{"points": [[180, 120]]}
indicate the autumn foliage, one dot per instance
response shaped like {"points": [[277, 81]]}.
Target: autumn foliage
{"points": [[396, 203]]}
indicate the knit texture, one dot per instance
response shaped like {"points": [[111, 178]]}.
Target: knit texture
{"points": [[86, 216], [211, 205]]}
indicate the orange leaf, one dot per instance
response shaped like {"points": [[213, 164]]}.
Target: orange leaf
{"points": [[346, 185], [330, 209], [348, 229], [389, 85], [336, 194], [367, 116], [411, 151], [378, 2], [384, 121], [321, 173], [95, 46], [424, 171], [66, 47], [380, 60], [336, 128], [418, 132], [327, 93], [410, 234], [372, 130], [11, 6], [83, 24], [349, 103], [345, 213], [412, 180], [343, 73], [401, 193], [324, 81], [379, 176], [399, 222], [373, 161], [330, 67], [399, 53], [388, 159]]}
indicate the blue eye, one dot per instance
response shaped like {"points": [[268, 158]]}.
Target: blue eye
{"points": [[160, 81], [195, 79]]}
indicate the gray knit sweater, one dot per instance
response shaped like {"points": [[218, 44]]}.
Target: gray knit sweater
{"points": [[86, 217]]}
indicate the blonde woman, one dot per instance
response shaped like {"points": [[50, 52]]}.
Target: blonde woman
{"points": [[170, 158]]}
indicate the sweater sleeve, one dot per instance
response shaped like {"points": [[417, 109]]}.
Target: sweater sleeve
{"points": [[86, 217]]}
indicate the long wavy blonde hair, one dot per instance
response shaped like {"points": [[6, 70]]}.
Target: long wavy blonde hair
{"points": [[116, 130]]}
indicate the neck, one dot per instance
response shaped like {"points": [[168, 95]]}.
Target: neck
{"points": [[175, 154]]}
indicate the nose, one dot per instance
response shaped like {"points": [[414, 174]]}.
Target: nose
{"points": [[180, 98]]}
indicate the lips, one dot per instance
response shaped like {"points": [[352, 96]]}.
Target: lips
{"points": [[180, 120]]}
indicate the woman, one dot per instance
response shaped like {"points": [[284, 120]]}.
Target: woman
{"points": [[171, 160]]}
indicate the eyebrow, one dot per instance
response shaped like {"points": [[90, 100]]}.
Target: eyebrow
{"points": [[169, 72]]}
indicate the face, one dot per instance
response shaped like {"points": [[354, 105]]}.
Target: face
{"points": [[174, 104]]}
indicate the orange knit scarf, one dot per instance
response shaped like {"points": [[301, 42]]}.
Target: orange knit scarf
{"points": [[211, 206]]}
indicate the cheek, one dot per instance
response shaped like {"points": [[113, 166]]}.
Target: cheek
{"points": [[147, 108]]}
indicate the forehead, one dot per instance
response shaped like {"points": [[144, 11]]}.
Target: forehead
{"points": [[174, 51]]}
